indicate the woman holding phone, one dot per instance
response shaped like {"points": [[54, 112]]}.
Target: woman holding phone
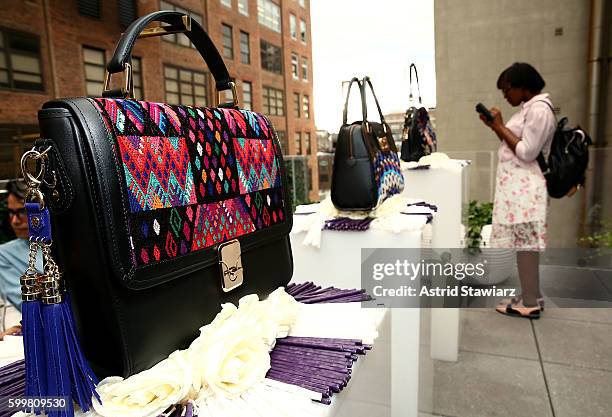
{"points": [[521, 197]]}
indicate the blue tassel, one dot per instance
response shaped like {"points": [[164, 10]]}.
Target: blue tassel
{"points": [[58, 372], [59, 368], [33, 336]]}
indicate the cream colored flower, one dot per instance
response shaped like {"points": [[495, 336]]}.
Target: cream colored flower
{"points": [[148, 393], [229, 359]]}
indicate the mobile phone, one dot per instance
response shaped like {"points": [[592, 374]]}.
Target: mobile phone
{"points": [[480, 108]]}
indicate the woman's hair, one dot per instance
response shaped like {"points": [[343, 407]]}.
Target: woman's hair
{"points": [[17, 188], [521, 75]]}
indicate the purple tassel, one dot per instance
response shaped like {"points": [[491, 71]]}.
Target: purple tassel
{"points": [[347, 224], [12, 380], [315, 363], [309, 293]]}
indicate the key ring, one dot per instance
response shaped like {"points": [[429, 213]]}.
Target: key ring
{"points": [[34, 181]]}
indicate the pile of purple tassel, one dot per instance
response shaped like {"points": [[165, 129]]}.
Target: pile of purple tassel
{"points": [[310, 293], [348, 224], [318, 364], [12, 382]]}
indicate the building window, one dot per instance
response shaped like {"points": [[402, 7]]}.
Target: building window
{"points": [[294, 66], [307, 142], [14, 141], [306, 106], [304, 69], [296, 105], [228, 41], [179, 39], [271, 58], [245, 48], [185, 86], [137, 78], [302, 3], [126, 10], [293, 26], [269, 15], [94, 63], [243, 7], [282, 138], [273, 102], [89, 8], [20, 65], [247, 95], [298, 143], [227, 3], [303, 31]]}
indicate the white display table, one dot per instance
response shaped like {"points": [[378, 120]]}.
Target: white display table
{"points": [[338, 263], [446, 187]]}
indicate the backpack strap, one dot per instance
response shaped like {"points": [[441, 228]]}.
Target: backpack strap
{"points": [[541, 160]]}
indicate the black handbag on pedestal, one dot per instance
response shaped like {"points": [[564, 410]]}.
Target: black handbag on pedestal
{"points": [[162, 212], [366, 164], [418, 137]]}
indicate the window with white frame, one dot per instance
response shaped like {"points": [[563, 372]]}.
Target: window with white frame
{"points": [[94, 66], [20, 64], [243, 7], [293, 26], [185, 86], [294, 67], [273, 101], [179, 38], [304, 68], [137, 78], [297, 140], [228, 41], [271, 57], [269, 14], [247, 95], [306, 106], [296, 105], [302, 3], [245, 48], [227, 3], [303, 31]]}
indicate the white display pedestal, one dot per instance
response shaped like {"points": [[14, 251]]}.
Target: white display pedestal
{"points": [[338, 263], [447, 188]]}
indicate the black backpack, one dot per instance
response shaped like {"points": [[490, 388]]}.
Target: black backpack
{"points": [[418, 137], [567, 161]]}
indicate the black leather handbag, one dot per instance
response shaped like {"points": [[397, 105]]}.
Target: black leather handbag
{"points": [[418, 136], [366, 165], [162, 212]]}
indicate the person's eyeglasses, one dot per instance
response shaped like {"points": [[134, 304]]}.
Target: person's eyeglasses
{"points": [[20, 213]]}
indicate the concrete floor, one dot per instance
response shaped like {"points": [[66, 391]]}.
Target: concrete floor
{"points": [[558, 366]]}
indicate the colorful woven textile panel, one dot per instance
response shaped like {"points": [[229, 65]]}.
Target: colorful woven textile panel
{"points": [[193, 177], [389, 177]]}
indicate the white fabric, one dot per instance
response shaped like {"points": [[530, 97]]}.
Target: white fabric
{"points": [[387, 217], [436, 160], [535, 125]]}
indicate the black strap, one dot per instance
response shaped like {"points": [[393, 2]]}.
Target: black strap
{"points": [[416, 75], [541, 160], [348, 93], [366, 80], [197, 35]]}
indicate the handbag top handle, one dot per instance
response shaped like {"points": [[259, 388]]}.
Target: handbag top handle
{"points": [[196, 34], [416, 75], [366, 80], [346, 102]]}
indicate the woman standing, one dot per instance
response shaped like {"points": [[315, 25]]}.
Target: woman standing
{"points": [[521, 198]]}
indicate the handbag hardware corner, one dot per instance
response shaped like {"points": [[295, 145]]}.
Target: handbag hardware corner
{"points": [[230, 265]]}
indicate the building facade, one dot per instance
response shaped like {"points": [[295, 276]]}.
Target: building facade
{"points": [[56, 48], [570, 43]]}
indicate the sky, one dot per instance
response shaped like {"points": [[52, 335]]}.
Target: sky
{"points": [[376, 38]]}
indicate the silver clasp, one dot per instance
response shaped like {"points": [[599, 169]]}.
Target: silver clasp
{"points": [[230, 265]]}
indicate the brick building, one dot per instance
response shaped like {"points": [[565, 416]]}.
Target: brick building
{"points": [[58, 48]]}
